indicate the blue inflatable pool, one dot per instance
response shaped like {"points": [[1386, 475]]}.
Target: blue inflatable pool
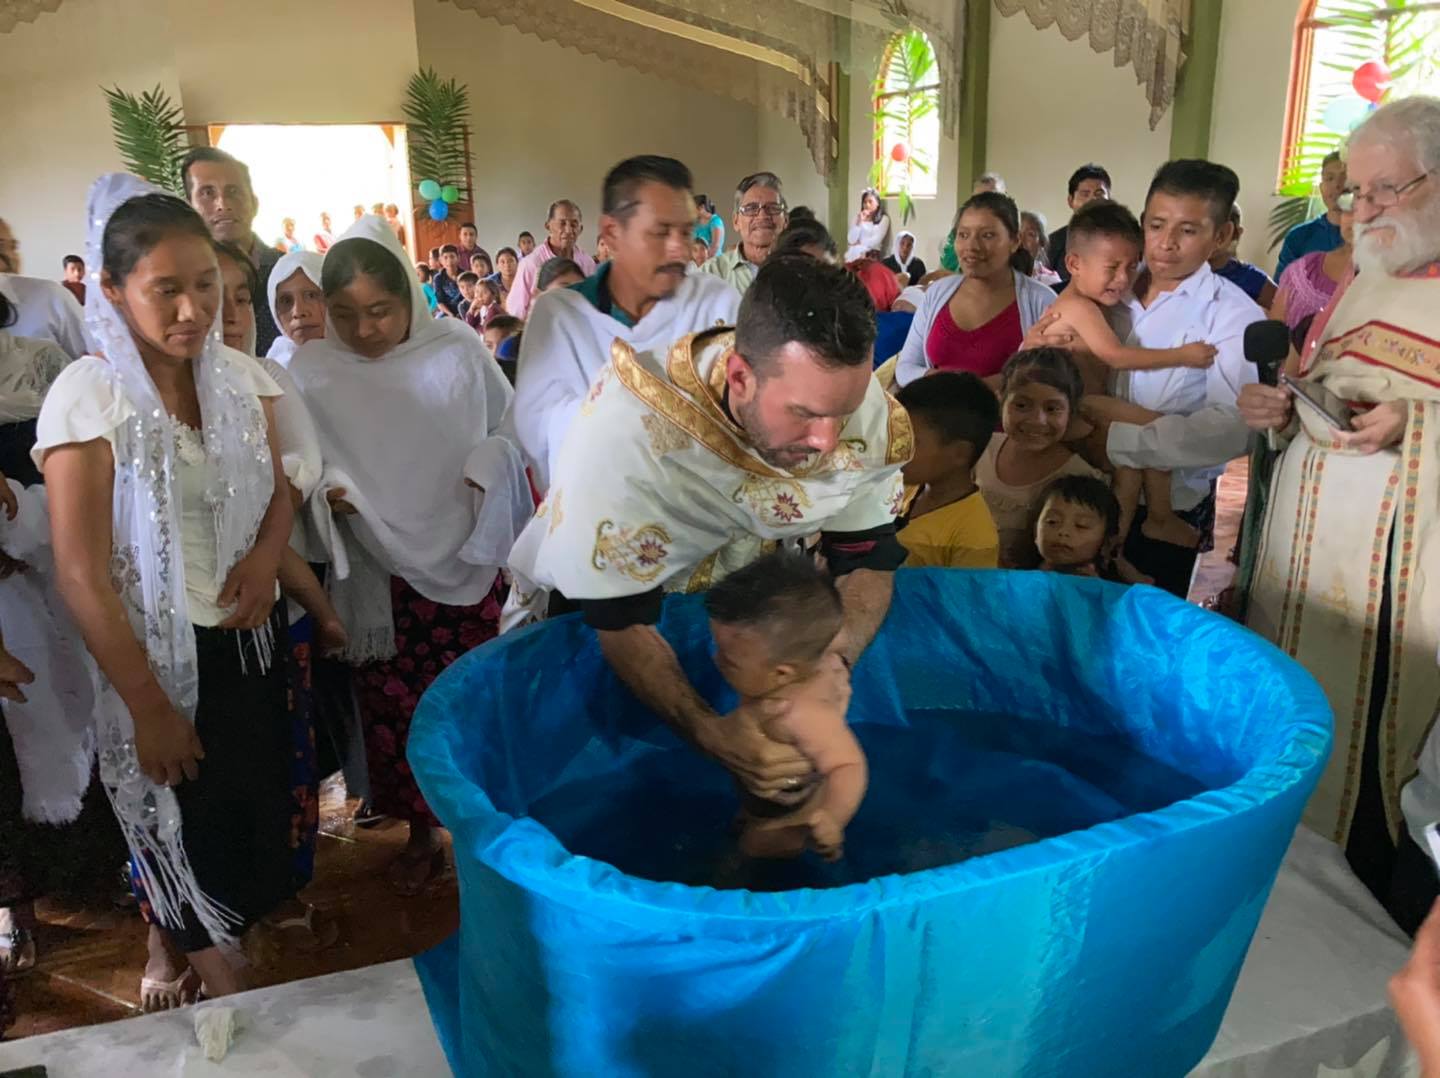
{"points": [[1179, 747]]}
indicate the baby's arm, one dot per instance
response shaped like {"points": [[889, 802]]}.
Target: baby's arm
{"points": [[1100, 341], [825, 739]]}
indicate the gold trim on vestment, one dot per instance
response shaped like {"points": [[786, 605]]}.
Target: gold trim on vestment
{"points": [[671, 402], [900, 439], [1382, 344]]}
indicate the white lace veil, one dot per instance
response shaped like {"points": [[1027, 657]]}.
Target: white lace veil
{"points": [[147, 568]]}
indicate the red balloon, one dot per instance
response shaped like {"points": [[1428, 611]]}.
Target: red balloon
{"points": [[899, 152], [1371, 81]]}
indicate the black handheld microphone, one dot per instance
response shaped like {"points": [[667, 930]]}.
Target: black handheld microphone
{"points": [[1267, 344]]}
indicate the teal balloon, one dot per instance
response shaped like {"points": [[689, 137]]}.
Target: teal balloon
{"points": [[450, 193], [1344, 114], [429, 190], [439, 210]]}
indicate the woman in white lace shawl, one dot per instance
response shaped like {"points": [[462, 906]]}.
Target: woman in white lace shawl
{"points": [[174, 590]]}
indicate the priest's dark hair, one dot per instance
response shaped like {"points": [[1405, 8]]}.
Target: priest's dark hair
{"points": [[620, 195], [139, 224], [799, 299], [1193, 177]]}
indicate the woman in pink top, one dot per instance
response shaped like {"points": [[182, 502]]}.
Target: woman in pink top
{"points": [[976, 321], [1309, 283]]}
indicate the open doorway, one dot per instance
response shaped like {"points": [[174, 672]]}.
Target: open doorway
{"points": [[309, 173]]}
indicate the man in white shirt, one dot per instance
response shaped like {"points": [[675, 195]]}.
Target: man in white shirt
{"points": [[642, 297], [45, 310], [1178, 299], [760, 216], [563, 226]]}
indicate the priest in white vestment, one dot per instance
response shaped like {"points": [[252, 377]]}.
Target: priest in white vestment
{"points": [[1345, 576], [642, 297], [681, 469]]}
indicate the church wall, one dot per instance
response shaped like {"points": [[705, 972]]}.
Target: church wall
{"points": [[278, 61], [1054, 105], [1249, 120], [550, 122], [57, 127]]}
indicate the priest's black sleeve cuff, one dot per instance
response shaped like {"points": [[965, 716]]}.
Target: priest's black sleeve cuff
{"points": [[878, 549], [612, 615]]}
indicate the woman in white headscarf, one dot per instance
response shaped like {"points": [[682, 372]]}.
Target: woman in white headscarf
{"points": [[296, 303], [420, 502], [174, 590], [903, 259]]}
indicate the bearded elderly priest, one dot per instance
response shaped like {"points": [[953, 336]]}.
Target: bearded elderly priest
{"points": [[1346, 577], [667, 480]]}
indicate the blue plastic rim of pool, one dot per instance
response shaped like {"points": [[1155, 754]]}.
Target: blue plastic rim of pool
{"points": [[1110, 951]]}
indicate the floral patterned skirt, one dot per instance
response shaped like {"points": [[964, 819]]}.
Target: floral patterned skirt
{"points": [[429, 636]]}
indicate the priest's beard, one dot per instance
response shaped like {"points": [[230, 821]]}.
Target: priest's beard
{"points": [[786, 457], [1414, 241]]}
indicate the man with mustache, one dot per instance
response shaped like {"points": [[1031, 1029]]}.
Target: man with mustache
{"points": [[760, 217], [679, 471], [218, 186], [641, 297], [1346, 579]]}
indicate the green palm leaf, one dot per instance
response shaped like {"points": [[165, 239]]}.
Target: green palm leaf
{"points": [[436, 114], [150, 135]]}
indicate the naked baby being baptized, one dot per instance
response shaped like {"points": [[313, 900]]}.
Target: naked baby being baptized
{"points": [[775, 624]]}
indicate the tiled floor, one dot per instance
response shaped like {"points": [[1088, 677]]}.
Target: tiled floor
{"points": [[91, 959]]}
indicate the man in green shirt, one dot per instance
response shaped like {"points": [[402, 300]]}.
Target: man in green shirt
{"points": [[760, 217]]}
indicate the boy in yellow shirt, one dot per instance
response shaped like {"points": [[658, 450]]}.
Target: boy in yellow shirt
{"points": [[946, 523]]}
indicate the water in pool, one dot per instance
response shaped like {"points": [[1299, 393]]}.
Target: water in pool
{"points": [[951, 786]]}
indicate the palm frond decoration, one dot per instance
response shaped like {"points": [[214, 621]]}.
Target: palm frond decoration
{"points": [[436, 114], [149, 135], [1394, 32], [906, 91]]}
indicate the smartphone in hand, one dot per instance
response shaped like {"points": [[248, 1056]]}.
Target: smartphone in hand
{"points": [[1327, 407]]}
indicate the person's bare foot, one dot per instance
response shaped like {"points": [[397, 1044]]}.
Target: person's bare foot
{"points": [[422, 861], [1170, 529], [168, 981]]}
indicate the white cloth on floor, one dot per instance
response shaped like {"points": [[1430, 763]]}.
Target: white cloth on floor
{"points": [[47, 311], [54, 730]]}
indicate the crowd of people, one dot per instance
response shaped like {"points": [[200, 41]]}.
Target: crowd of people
{"points": [[334, 469]]}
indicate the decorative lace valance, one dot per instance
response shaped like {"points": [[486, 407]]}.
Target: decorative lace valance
{"points": [[1146, 33], [774, 54], [14, 12]]}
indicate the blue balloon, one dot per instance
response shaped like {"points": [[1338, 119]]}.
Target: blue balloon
{"points": [[439, 210], [1344, 114]]}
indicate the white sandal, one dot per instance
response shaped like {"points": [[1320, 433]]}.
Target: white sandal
{"points": [[157, 995], [323, 931]]}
